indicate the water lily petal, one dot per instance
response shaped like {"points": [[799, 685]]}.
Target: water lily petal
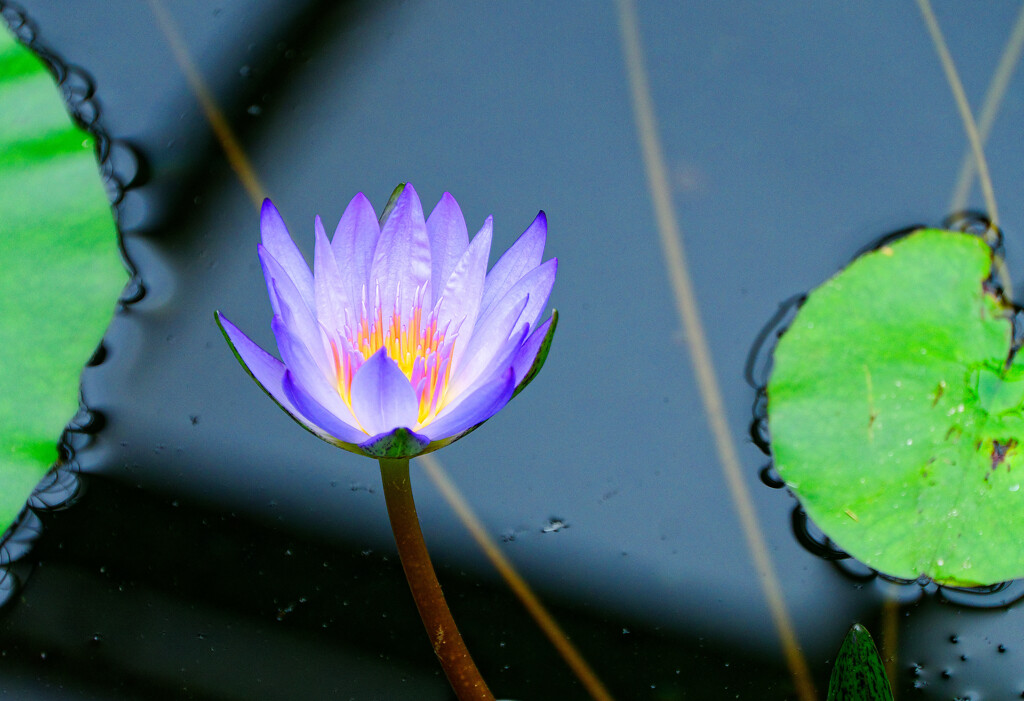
{"points": [[500, 361], [401, 261], [528, 297], [474, 409], [354, 242], [524, 255], [460, 301], [278, 242], [280, 284], [449, 238], [382, 398], [491, 339], [316, 414], [309, 376], [328, 283], [301, 324], [267, 370], [536, 286]]}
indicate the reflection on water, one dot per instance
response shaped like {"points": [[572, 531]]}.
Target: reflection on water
{"points": [[215, 553]]}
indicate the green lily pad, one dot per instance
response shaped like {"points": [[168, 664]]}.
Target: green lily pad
{"points": [[859, 674], [62, 269], [896, 417]]}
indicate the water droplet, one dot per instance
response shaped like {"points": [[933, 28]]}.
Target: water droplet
{"points": [[1014, 487], [554, 525]]}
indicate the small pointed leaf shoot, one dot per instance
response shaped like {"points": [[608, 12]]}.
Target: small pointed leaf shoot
{"points": [[859, 674]]}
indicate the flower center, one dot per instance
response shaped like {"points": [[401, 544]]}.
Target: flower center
{"points": [[420, 349]]}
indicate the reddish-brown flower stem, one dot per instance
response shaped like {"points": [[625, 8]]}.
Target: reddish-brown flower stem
{"points": [[426, 591]]}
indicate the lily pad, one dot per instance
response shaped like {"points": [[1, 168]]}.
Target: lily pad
{"points": [[896, 412], [859, 674], [62, 269]]}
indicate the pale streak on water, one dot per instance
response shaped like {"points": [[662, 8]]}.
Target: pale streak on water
{"points": [[700, 354]]}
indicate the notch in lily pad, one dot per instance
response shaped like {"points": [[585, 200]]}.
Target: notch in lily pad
{"points": [[896, 412]]}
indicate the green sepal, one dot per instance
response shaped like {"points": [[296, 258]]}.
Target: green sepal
{"points": [[400, 443], [542, 355], [390, 206]]}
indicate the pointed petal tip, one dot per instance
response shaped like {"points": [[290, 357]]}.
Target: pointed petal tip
{"points": [[487, 228], [224, 324], [271, 220]]}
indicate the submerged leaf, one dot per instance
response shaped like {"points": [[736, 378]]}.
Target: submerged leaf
{"points": [[896, 416], [62, 269], [859, 674]]}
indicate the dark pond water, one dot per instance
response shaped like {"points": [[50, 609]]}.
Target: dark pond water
{"points": [[217, 551]]}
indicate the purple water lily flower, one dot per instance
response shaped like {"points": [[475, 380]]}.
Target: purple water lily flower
{"points": [[399, 341]]}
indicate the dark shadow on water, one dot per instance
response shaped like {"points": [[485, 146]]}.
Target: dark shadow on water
{"points": [[163, 585]]}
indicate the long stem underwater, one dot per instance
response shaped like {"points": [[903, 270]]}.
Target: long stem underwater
{"points": [[426, 591]]}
